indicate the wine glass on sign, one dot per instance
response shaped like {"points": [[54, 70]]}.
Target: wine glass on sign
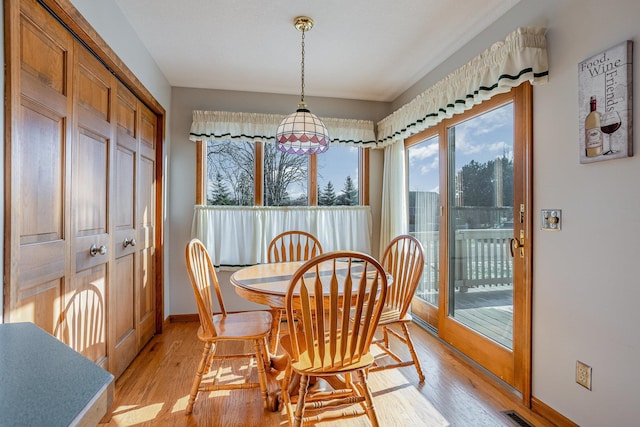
{"points": [[609, 123]]}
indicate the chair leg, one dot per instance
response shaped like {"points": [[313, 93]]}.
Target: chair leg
{"points": [[299, 415], [285, 393], [369, 408], [385, 337], [266, 355], [412, 350], [276, 318], [212, 353], [204, 361], [258, 346]]}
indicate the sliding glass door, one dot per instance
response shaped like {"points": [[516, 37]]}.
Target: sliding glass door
{"points": [[468, 205]]}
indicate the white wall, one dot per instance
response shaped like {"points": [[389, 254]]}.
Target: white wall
{"points": [[586, 284], [183, 155]]}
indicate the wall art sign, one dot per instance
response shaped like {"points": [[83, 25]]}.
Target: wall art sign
{"points": [[604, 95]]}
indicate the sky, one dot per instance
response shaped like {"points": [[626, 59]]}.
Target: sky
{"points": [[334, 165], [481, 138]]}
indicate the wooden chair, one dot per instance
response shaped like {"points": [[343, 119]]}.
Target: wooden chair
{"points": [[252, 326], [403, 258], [292, 245], [332, 312]]}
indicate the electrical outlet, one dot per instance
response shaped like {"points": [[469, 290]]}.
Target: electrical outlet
{"points": [[583, 374]]}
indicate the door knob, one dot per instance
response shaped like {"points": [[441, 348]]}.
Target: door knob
{"points": [[95, 250], [127, 242]]}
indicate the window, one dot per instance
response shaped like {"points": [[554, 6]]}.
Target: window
{"points": [[285, 178], [230, 173], [338, 176], [239, 173]]}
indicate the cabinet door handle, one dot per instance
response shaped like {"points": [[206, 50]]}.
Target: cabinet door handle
{"points": [[95, 250], [127, 242]]}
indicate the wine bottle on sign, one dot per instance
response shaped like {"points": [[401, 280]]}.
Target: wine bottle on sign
{"points": [[593, 133]]}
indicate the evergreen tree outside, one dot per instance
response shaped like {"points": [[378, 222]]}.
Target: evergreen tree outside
{"points": [[481, 206], [479, 182], [349, 195], [328, 196], [219, 195]]}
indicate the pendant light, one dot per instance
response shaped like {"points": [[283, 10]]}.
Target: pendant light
{"points": [[302, 132]]}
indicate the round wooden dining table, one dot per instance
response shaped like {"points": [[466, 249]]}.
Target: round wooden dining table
{"points": [[267, 284]]}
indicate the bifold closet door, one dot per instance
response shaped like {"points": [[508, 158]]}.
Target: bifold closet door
{"points": [[37, 148], [146, 218], [82, 188], [91, 228], [123, 295]]}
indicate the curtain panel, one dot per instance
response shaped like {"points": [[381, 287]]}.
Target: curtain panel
{"points": [[393, 220], [521, 57], [237, 236], [225, 126]]}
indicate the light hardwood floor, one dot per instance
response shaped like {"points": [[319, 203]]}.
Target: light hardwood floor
{"points": [[154, 391]]}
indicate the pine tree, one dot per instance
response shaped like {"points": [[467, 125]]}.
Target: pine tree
{"points": [[219, 194], [349, 195], [328, 196]]}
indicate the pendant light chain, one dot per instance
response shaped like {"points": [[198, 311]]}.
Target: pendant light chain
{"points": [[302, 85], [301, 132]]}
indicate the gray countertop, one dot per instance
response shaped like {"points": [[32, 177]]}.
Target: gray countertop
{"points": [[43, 382]]}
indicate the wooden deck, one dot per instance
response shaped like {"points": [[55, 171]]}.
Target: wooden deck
{"points": [[486, 309]]}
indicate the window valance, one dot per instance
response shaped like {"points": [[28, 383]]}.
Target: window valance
{"points": [[225, 126], [521, 57]]}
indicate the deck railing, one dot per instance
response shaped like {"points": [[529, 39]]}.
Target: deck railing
{"points": [[481, 258]]}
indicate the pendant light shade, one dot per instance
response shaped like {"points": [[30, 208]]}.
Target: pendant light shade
{"points": [[302, 132]]}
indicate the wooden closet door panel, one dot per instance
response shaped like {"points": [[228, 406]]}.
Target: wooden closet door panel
{"points": [[125, 346], [90, 214], [85, 321], [36, 200], [146, 224], [44, 46], [124, 202]]}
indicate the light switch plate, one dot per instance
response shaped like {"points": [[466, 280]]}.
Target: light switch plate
{"points": [[551, 219]]}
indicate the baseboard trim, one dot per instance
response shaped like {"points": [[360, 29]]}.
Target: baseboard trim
{"points": [[174, 318], [551, 414]]}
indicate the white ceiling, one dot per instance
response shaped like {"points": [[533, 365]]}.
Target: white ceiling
{"points": [[358, 49]]}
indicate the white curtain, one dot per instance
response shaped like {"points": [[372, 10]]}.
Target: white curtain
{"points": [[394, 203], [226, 126], [521, 57], [239, 236]]}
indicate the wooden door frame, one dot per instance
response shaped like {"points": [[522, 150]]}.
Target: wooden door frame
{"points": [[65, 12]]}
